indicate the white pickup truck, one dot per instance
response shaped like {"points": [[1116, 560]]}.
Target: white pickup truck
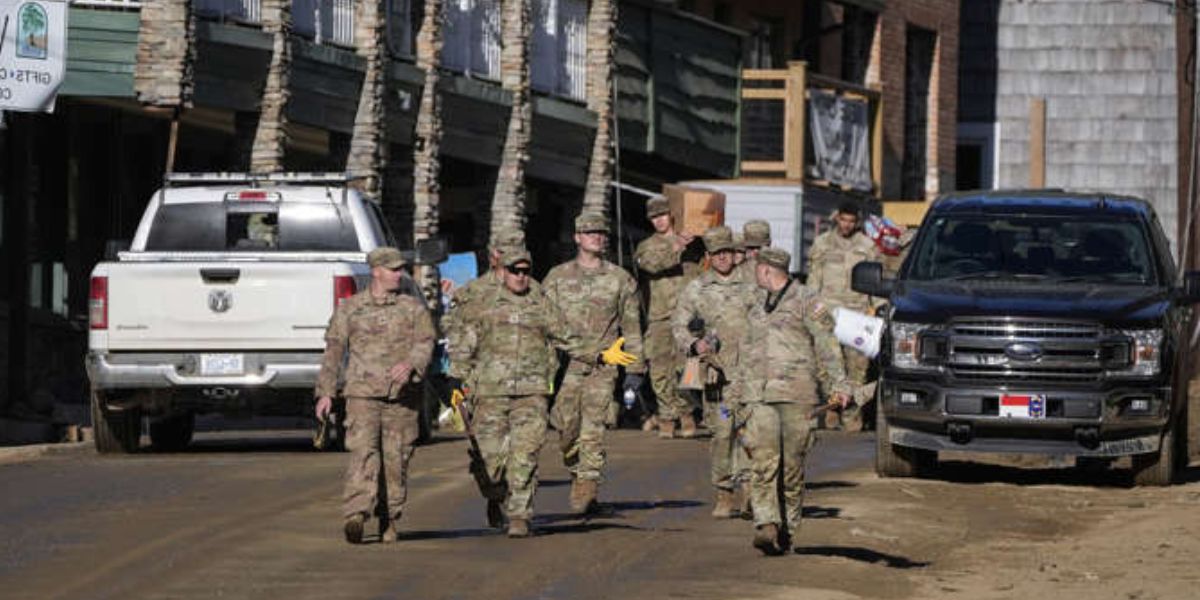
{"points": [[221, 302]]}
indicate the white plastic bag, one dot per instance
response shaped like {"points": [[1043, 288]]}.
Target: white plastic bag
{"points": [[857, 330]]}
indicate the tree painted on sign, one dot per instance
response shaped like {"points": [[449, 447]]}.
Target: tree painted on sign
{"points": [[31, 31]]}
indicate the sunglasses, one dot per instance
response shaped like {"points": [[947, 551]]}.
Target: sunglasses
{"points": [[519, 270]]}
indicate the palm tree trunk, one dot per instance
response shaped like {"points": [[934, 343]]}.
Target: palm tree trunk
{"points": [[368, 148], [601, 25], [427, 139], [508, 203], [270, 135]]}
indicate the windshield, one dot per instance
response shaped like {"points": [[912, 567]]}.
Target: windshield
{"points": [[1061, 249], [252, 227]]}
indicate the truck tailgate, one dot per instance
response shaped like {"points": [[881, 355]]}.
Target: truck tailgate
{"points": [[220, 305]]}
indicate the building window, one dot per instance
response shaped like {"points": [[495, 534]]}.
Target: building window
{"points": [[764, 46], [858, 35], [918, 70], [403, 19], [558, 56], [975, 156], [325, 21]]}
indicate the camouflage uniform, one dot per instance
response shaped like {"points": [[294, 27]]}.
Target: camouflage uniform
{"points": [[507, 359], [381, 417], [723, 302], [780, 391], [831, 261], [599, 306], [657, 257]]}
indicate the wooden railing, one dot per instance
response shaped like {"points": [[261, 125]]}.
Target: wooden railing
{"points": [[792, 87]]}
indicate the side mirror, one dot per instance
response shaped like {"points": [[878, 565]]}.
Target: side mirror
{"points": [[431, 251], [113, 247], [1189, 292], [867, 278]]}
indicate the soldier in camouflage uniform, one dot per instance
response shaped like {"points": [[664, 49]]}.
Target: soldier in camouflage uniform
{"points": [[780, 392], [660, 257], [508, 363], [756, 234], [599, 301], [475, 293], [831, 261], [388, 339], [722, 301]]}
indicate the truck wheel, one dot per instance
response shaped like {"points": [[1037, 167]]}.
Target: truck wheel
{"points": [[174, 433], [898, 461], [115, 431], [1158, 469]]}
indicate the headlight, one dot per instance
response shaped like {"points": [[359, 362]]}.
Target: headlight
{"points": [[906, 344], [1145, 351]]}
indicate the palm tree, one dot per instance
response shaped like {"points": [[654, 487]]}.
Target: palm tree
{"points": [[601, 25], [270, 137], [368, 148], [427, 139], [165, 54], [508, 202]]}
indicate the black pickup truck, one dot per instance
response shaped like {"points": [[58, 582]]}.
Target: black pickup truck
{"points": [[1035, 322]]}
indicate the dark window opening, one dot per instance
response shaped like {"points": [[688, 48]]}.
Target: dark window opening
{"points": [[918, 70]]}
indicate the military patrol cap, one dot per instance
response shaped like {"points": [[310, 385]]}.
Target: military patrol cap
{"points": [[516, 254], [386, 257], [756, 233], [739, 243], [657, 206], [591, 222], [776, 257], [718, 238]]}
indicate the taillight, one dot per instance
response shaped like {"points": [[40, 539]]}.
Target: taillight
{"points": [[343, 288], [98, 303]]}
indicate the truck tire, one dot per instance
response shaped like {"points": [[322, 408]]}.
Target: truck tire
{"points": [[173, 433], [1158, 469], [898, 461], [115, 431]]}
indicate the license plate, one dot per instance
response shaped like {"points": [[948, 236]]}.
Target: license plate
{"points": [[222, 364], [1028, 406]]}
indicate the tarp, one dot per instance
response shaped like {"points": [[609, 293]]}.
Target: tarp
{"points": [[841, 142]]}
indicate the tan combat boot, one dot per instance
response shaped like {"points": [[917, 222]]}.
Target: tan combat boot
{"points": [[724, 507], [389, 535], [687, 427], [583, 494], [518, 528], [353, 528], [650, 424], [666, 428], [766, 539]]}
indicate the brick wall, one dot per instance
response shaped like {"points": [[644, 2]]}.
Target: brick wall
{"points": [[888, 70]]}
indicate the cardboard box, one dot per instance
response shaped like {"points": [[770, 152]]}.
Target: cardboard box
{"points": [[694, 210]]}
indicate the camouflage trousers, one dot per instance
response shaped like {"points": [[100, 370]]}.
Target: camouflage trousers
{"points": [[778, 438], [665, 362], [379, 437], [510, 431], [721, 416], [580, 413]]}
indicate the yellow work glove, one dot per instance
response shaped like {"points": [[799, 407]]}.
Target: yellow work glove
{"points": [[614, 355]]}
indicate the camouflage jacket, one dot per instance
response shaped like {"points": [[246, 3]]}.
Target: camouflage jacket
{"points": [[724, 303], [599, 305], [788, 343], [508, 344], [831, 260], [376, 333], [745, 271], [473, 294], [657, 257]]}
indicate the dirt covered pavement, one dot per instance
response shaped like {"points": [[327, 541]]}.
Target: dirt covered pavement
{"points": [[257, 517]]}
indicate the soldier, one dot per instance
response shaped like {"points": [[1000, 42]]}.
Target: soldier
{"points": [[722, 302], [599, 301], [780, 391], [388, 339], [661, 258], [756, 234], [475, 293], [831, 260], [739, 250], [508, 363]]}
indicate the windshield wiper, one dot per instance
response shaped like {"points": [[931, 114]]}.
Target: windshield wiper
{"points": [[994, 275]]}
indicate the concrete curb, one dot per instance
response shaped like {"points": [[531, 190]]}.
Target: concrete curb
{"points": [[15, 454]]}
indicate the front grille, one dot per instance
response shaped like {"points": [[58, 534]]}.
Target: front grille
{"points": [[982, 350]]}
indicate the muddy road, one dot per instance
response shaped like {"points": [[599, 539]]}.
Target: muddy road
{"points": [[256, 515]]}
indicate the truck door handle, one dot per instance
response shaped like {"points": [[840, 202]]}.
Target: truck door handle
{"points": [[220, 275]]}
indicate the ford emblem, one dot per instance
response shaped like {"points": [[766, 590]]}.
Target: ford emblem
{"points": [[219, 301], [1023, 351]]}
